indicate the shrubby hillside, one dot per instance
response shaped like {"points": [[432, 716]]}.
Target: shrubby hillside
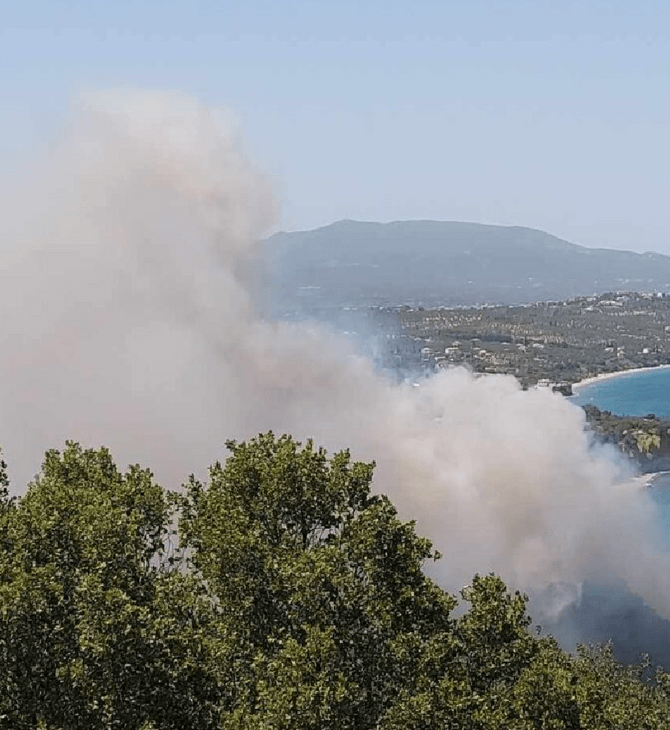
{"points": [[646, 439], [280, 594]]}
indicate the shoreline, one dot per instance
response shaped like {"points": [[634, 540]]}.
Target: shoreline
{"points": [[647, 479], [654, 476], [608, 376]]}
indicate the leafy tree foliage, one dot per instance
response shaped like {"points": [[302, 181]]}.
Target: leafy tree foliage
{"points": [[89, 634], [295, 598], [321, 581]]}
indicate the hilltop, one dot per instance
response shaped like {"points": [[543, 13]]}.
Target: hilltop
{"points": [[433, 263]]}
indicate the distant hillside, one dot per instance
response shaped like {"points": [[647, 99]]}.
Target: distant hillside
{"points": [[431, 263]]}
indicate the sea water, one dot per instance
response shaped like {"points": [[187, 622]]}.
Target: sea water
{"points": [[634, 394], [630, 394], [637, 394], [659, 491]]}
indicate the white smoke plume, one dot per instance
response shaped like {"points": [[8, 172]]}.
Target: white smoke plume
{"points": [[127, 321]]}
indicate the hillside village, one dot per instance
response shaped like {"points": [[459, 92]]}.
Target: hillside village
{"points": [[546, 344]]}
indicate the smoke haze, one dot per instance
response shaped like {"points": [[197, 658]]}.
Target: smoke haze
{"points": [[127, 320]]}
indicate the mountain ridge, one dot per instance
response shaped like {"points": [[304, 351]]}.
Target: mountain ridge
{"points": [[445, 263]]}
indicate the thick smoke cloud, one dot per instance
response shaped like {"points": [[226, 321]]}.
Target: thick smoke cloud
{"points": [[127, 321]]}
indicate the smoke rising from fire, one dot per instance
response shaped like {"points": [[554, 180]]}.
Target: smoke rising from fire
{"points": [[127, 320]]}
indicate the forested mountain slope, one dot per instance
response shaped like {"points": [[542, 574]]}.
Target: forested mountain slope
{"points": [[352, 263]]}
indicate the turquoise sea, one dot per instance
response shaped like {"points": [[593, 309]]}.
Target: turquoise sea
{"points": [[637, 394], [614, 613], [630, 394]]}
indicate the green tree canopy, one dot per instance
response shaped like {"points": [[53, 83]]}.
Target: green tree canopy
{"points": [[281, 594], [89, 634]]}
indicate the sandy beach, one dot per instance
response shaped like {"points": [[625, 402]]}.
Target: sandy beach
{"points": [[608, 376]]}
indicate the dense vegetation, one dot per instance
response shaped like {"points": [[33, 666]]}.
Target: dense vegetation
{"points": [[559, 341], [645, 439], [281, 594]]}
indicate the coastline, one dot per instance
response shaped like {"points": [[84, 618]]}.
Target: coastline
{"points": [[607, 376], [654, 477], [647, 480]]}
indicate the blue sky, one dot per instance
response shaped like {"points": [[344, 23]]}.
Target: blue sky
{"points": [[554, 115]]}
